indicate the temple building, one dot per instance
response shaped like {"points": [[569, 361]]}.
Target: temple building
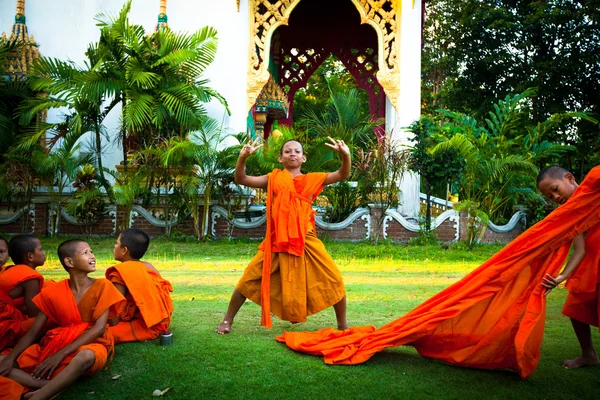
{"points": [[267, 51]]}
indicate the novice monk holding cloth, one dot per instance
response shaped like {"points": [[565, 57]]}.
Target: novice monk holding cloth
{"points": [[493, 317], [19, 284], [148, 310], [80, 343], [582, 269], [292, 275]]}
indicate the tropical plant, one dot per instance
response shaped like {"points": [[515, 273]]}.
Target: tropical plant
{"points": [[157, 78], [477, 221], [208, 165], [344, 197], [14, 91], [21, 177], [444, 166], [500, 155], [87, 203], [58, 169], [378, 171]]}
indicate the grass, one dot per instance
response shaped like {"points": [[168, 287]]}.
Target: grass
{"points": [[382, 283]]}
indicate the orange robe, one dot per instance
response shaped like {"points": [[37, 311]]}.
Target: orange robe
{"points": [[149, 307], [492, 318], [13, 322], [292, 275], [584, 283], [72, 320]]}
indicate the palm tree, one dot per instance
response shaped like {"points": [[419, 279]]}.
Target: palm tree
{"points": [[208, 164], [157, 78]]}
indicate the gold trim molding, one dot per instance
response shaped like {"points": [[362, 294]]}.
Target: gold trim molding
{"points": [[267, 15]]}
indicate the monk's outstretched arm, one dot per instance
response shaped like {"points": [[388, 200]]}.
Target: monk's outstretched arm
{"points": [[47, 367], [344, 172], [577, 256], [259, 182], [32, 336]]}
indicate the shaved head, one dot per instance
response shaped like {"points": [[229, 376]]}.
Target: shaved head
{"points": [[553, 172], [67, 249]]}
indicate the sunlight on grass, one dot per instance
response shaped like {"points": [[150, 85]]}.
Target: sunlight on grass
{"points": [[382, 284]]}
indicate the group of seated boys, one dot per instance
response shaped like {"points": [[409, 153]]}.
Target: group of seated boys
{"points": [[52, 333]]}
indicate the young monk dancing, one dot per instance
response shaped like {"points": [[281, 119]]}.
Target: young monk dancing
{"points": [[582, 269], [149, 308], [19, 284], [492, 318], [3, 254], [292, 275], [80, 344]]}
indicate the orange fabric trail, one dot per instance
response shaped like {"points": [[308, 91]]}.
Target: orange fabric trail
{"points": [[13, 322], [492, 318], [291, 257], [149, 307], [71, 320]]}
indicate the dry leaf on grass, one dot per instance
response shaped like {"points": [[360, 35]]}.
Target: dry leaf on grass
{"points": [[158, 392]]}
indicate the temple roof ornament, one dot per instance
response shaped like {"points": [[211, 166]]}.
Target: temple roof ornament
{"points": [[162, 16], [383, 15], [273, 101], [20, 60]]}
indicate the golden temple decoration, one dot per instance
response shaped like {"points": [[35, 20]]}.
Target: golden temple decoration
{"points": [[237, 3], [20, 60], [266, 15], [162, 16], [20, 7]]}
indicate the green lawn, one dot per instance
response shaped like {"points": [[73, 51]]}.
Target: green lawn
{"points": [[382, 282]]}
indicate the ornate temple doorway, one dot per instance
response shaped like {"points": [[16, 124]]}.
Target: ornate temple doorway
{"points": [[291, 39]]}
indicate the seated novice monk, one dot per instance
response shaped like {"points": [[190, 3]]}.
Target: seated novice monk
{"points": [[3, 254], [582, 270], [292, 275], [19, 284], [80, 343], [148, 310], [492, 318]]}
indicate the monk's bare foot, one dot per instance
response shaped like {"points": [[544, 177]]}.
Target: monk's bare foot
{"points": [[581, 361], [224, 327], [343, 326]]}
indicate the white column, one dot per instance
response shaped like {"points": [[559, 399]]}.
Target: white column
{"points": [[409, 104]]}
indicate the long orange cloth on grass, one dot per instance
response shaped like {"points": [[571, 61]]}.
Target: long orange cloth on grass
{"points": [[13, 322], [492, 318], [148, 310], [292, 268]]}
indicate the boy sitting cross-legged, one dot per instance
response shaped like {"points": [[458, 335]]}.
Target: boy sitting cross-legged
{"points": [[79, 344], [149, 308]]}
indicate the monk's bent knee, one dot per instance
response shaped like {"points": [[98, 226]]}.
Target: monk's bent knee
{"points": [[85, 359]]}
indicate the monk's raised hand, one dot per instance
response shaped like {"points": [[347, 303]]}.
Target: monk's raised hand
{"points": [[249, 149], [338, 145]]}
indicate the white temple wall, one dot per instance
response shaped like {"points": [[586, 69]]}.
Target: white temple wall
{"points": [[409, 104], [64, 28]]}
